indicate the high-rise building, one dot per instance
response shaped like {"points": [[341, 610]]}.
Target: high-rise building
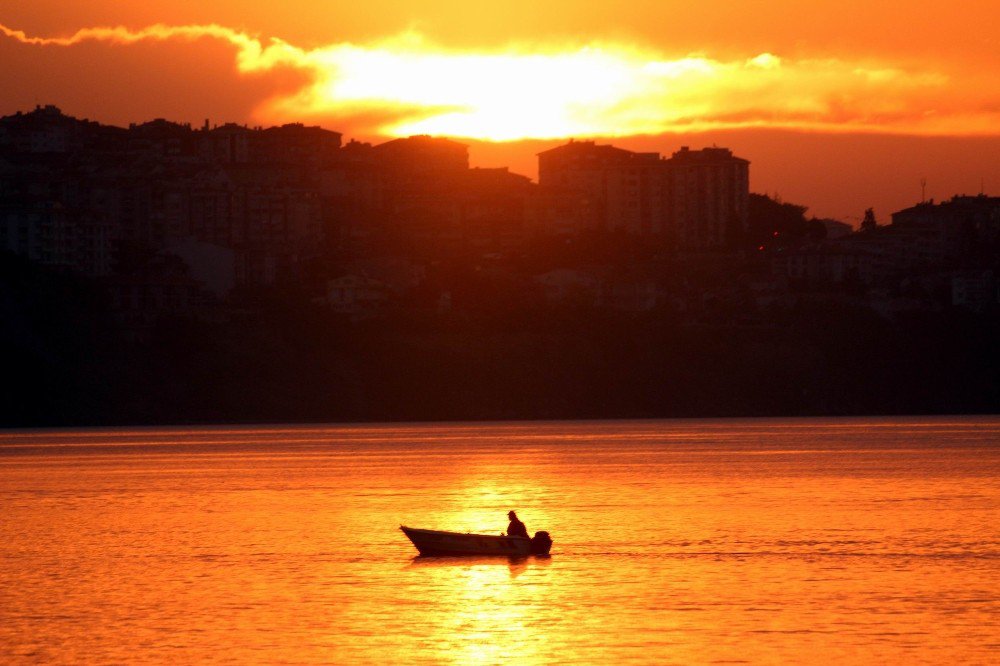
{"points": [[614, 189], [706, 194], [696, 199]]}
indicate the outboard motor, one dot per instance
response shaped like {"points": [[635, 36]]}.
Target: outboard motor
{"points": [[541, 543]]}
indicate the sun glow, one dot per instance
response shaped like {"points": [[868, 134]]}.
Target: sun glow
{"points": [[405, 85]]}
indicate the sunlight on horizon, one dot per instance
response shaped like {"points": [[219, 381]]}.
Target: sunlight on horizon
{"points": [[406, 85]]}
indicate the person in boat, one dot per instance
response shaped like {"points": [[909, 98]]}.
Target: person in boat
{"points": [[516, 527]]}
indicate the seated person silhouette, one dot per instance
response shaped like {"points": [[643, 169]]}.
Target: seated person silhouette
{"points": [[516, 527]]}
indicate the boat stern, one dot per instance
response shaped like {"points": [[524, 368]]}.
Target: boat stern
{"points": [[541, 543]]}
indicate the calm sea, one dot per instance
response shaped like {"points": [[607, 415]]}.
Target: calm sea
{"points": [[763, 541]]}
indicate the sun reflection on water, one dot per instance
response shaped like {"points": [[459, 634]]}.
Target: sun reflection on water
{"points": [[486, 608], [763, 541]]}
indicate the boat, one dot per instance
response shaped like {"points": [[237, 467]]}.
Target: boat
{"points": [[437, 542]]}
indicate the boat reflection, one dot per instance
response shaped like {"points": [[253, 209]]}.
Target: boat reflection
{"points": [[516, 564]]}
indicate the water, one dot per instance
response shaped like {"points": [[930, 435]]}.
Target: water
{"points": [[809, 541]]}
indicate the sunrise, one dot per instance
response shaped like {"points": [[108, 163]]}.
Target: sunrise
{"points": [[437, 332]]}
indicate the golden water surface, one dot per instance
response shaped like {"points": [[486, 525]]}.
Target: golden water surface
{"points": [[809, 541]]}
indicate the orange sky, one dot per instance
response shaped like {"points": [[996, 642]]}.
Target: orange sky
{"points": [[837, 107]]}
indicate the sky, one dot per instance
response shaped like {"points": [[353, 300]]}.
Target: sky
{"points": [[839, 105]]}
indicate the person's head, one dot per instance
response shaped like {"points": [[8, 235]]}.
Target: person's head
{"points": [[511, 515]]}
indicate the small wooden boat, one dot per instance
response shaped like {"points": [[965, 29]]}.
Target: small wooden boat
{"points": [[436, 542]]}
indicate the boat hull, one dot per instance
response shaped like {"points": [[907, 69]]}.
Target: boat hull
{"points": [[436, 542]]}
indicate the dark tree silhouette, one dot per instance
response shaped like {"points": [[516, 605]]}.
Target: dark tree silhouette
{"points": [[869, 222], [771, 220]]}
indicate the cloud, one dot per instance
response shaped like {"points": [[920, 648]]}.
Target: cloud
{"points": [[405, 85]]}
